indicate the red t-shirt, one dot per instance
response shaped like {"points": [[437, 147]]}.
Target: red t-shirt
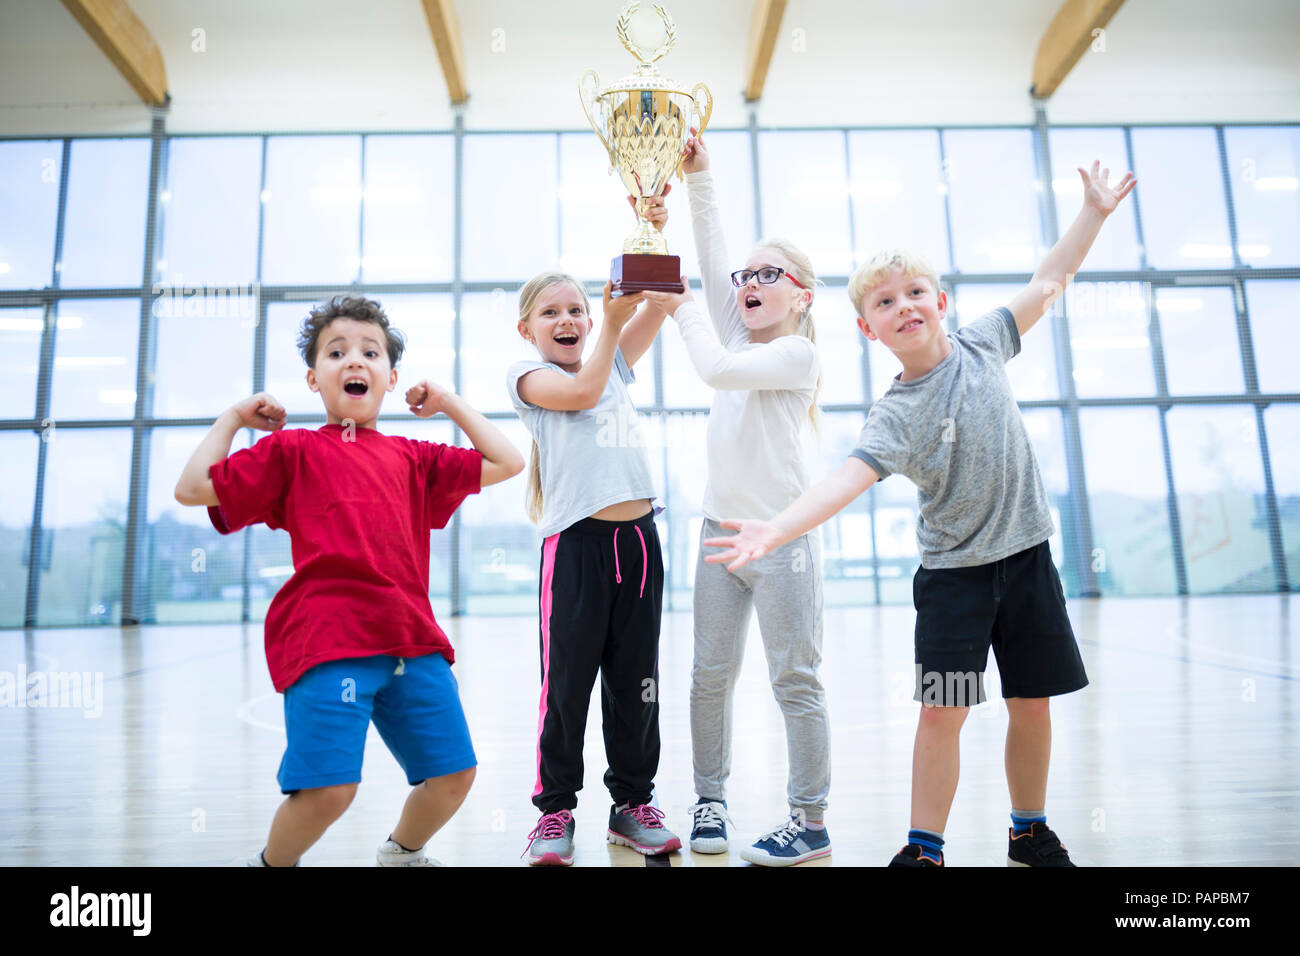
{"points": [[358, 513]]}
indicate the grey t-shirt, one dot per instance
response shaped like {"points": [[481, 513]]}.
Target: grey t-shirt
{"points": [[589, 459], [957, 432]]}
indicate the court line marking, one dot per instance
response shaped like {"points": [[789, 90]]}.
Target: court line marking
{"points": [[1191, 660], [244, 712], [1173, 633], [165, 664], [51, 666]]}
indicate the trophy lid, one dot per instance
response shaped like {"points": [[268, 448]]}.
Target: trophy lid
{"points": [[648, 41], [641, 36]]}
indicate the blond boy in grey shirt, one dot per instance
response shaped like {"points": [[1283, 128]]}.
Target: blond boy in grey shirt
{"points": [[950, 423]]}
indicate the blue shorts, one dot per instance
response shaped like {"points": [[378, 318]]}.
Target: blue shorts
{"points": [[413, 701]]}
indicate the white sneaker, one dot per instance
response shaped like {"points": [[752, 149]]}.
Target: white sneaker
{"points": [[391, 854], [256, 859]]}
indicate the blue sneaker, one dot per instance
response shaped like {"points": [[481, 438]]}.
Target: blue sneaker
{"points": [[709, 831], [787, 845]]}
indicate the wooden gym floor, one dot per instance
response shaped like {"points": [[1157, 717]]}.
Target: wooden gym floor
{"points": [[1184, 751]]}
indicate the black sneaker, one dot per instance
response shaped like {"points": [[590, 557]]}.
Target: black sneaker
{"points": [[913, 855], [1037, 847]]}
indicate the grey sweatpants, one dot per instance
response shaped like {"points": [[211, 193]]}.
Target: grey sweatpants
{"points": [[785, 588]]}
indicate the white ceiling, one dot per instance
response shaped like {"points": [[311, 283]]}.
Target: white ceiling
{"points": [[346, 64]]}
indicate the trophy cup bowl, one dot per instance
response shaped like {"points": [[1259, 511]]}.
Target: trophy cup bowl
{"points": [[643, 121]]}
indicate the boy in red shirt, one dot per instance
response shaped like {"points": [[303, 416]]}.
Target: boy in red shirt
{"points": [[351, 637]]}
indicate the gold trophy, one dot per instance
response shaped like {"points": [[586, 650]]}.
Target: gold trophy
{"points": [[643, 121]]}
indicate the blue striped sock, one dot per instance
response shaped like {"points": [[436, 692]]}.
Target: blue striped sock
{"points": [[931, 843], [1023, 820]]}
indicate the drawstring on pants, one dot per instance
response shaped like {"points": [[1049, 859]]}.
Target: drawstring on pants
{"points": [[618, 578], [645, 560]]}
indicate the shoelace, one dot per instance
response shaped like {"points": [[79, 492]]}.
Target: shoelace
{"points": [[1047, 843], [709, 815], [648, 816], [551, 826], [784, 836]]}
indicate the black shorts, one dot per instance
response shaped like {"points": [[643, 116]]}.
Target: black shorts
{"points": [[1017, 606]]}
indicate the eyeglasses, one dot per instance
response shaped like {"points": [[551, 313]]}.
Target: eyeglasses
{"points": [[766, 275]]}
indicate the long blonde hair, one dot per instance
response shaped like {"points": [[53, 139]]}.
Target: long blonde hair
{"points": [[803, 271], [528, 296]]}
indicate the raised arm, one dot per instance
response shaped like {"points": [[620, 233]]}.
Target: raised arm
{"points": [[1057, 270], [787, 362], [711, 247], [260, 411], [548, 388], [639, 333], [501, 460], [818, 504]]}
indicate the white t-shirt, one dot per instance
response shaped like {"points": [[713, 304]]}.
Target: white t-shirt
{"points": [[759, 433], [591, 458]]}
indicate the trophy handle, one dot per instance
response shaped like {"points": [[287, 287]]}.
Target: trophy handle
{"points": [[705, 111], [703, 102], [588, 88]]}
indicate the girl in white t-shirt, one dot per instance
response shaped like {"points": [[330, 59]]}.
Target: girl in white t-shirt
{"points": [[767, 373]]}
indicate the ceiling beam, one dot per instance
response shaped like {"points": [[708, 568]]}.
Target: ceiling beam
{"points": [[763, 32], [116, 30], [446, 39], [1067, 39]]}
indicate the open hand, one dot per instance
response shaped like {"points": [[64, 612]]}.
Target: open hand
{"points": [[260, 411], [656, 213], [756, 539], [425, 398], [670, 302], [1099, 194], [696, 155]]}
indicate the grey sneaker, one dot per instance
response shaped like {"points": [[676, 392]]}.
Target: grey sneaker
{"points": [[552, 840], [392, 854], [641, 828]]}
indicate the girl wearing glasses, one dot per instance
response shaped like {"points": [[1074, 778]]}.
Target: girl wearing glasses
{"points": [[766, 373]]}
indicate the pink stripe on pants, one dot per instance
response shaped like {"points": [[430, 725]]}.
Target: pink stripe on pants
{"points": [[548, 577]]}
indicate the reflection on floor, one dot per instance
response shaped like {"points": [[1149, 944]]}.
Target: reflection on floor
{"points": [[1185, 749]]}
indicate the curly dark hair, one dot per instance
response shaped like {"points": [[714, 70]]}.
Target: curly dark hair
{"points": [[348, 307]]}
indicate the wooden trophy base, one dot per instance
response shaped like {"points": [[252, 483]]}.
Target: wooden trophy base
{"points": [[639, 273]]}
